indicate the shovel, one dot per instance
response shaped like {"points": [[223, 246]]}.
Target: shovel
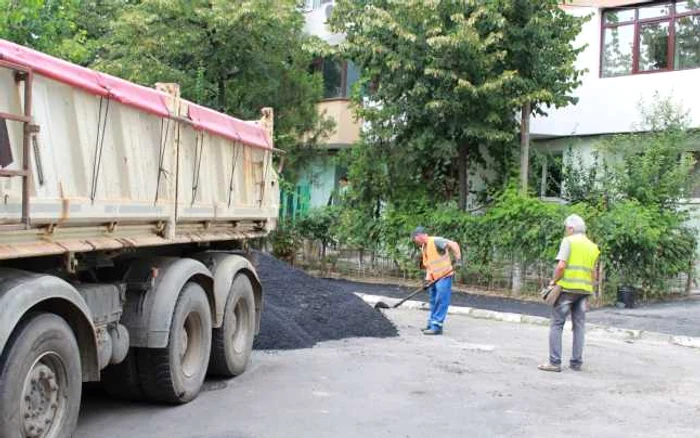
{"points": [[383, 305]]}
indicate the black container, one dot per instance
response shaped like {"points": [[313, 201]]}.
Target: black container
{"points": [[626, 296]]}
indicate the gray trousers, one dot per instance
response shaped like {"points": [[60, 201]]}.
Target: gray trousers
{"points": [[574, 304]]}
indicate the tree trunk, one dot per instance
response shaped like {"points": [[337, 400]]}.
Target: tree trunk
{"points": [[463, 163], [280, 165], [524, 147], [222, 95]]}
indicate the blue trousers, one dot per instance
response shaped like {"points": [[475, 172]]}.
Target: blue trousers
{"points": [[440, 294]]}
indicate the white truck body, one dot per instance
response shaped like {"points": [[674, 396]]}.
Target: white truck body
{"points": [[107, 171]]}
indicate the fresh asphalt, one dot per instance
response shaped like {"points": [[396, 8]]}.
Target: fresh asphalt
{"points": [[678, 317]]}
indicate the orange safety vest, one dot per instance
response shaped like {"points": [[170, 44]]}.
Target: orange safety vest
{"points": [[436, 265]]}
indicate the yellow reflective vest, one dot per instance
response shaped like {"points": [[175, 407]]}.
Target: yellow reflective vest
{"points": [[436, 265], [578, 275]]}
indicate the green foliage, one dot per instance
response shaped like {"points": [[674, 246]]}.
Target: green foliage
{"points": [[318, 225], [48, 25], [446, 79], [235, 56], [284, 240], [653, 166], [68, 29], [537, 43], [643, 246]]}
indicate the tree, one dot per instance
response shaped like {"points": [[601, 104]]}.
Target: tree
{"points": [[654, 166], [539, 46], [235, 56], [68, 29], [438, 89], [447, 78], [46, 25]]}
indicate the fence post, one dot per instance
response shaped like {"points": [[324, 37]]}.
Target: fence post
{"points": [[689, 279], [517, 275], [601, 284]]}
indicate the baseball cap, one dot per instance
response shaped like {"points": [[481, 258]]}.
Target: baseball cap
{"points": [[418, 230]]}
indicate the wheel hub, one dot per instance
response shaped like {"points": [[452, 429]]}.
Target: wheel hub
{"points": [[191, 345], [239, 322], [40, 401], [184, 343]]}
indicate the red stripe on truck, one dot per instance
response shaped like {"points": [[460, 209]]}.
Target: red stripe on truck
{"points": [[128, 93]]}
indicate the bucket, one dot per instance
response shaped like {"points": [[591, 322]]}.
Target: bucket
{"points": [[626, 296]]}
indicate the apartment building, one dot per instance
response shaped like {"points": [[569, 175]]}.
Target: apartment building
{"points": [[323, 177], [635, 50]]}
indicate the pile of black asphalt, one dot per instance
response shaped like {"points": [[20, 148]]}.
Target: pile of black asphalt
{"points": [[300, 311]]}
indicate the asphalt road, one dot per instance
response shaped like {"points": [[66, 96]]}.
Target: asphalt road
{"points": [[679, 317], [499, 304], [478, 380]]}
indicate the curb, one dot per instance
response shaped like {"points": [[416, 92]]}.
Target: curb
{"points": [[411, 284], [628, 335]]}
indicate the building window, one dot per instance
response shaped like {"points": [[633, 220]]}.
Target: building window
{"points": [[339, 77], [649, 38], [311, 5], [551, 174]]}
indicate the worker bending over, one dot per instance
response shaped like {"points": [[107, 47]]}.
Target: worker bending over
{"points": [[438, 270]]}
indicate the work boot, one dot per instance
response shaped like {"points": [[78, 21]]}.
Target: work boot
{"points": [[432, 331], [550, 367]]}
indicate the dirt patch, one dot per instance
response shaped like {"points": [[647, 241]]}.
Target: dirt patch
{"points": [[300, 310]]}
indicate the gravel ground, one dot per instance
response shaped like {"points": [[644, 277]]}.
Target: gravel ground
{"points": [[300, 310], [458, 298]]}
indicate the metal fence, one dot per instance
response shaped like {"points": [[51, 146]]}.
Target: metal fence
{"points": [[505, 276]]}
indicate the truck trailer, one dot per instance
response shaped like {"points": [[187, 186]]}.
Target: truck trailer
{"points": [[125, 217]]}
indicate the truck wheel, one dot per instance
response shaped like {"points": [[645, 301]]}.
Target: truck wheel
{"points": [[175, 374], [122, 380], [40, 384], [233, 341]]}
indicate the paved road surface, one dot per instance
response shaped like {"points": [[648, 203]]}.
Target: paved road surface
{"points": [[458, 299], [478, 380], [676, 318]]}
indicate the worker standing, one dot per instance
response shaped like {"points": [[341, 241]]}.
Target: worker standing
{"points": [[438, 269], [576, 273]]}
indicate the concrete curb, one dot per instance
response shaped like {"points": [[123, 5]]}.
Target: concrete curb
{"points": [[628, 335]]}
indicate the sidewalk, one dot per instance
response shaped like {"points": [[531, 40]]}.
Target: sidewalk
{"points": [[677, 318]]}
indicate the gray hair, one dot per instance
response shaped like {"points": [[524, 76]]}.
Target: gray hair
{"points": [[576, 223]]}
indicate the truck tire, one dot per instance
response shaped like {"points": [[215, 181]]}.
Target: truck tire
{"points": [[122, 380], [175, 374], [232, 343], [40, 380]]}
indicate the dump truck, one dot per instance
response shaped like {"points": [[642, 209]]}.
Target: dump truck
{"points": [[126, 214]]}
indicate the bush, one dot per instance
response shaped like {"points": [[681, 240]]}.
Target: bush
{"points": [[640, 245], [318, 226], [284, 241], [643, 246]]}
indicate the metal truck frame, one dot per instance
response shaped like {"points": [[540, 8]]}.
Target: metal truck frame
{"points": [[124, 217]]}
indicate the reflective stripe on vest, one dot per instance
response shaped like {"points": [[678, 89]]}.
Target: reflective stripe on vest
{"points": [[436, 265], [578, 274]]}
